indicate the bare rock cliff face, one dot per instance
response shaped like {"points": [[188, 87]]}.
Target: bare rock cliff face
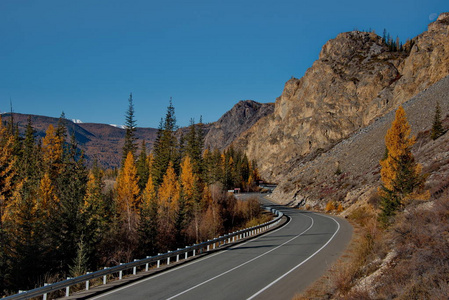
{"points": [[355, 80], [234, 122]]}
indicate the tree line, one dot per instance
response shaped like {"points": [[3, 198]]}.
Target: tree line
{"points": [[58, 218]]}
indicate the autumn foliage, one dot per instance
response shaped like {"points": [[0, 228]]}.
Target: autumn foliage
{"points": [[400, 174], [58, 218]]}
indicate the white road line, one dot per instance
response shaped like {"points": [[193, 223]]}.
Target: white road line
{"points": [[241, 265], [300, 264], [189, 264]]}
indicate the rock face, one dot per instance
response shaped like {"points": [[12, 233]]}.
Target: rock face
{"points": [[355, 81], [236, 121]]}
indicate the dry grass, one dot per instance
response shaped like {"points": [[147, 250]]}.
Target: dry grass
{"points": [[419, 268]]}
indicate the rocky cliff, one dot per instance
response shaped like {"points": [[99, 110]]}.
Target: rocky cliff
{"points": [[356, 80], [236, 121]]}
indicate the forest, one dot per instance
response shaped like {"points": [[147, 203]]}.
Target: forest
{"points": [[59, 217]]}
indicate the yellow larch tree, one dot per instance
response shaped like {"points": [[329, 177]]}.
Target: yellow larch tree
{"points": [[169, 190], [400, 174], [48, 201], [128, 192], [188, 181], [168, 209], [52, 147], [190, 197], [7, 171]]}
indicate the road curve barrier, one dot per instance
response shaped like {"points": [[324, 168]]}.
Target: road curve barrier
{"points": [[157, 260]]}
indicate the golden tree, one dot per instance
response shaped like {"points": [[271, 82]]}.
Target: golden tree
{"points": [[48, 201], [168, 209], [7, 171], [400, 174], [52, 149], [188, 182], [190, 193], [128, 198]]}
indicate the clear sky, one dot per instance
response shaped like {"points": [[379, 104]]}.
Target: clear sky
{"points": [[84, 57]]}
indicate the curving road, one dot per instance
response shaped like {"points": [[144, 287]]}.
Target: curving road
{"points": [[275, 265]]}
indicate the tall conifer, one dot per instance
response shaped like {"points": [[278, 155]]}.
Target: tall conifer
{"points": [[130, 127], [400, 174], [437, 127]]}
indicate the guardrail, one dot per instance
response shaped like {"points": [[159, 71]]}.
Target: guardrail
{"points": [[166, 257]]}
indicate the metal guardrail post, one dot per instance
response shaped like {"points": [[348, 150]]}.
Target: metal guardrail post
{"points": [[44, 296], [158, 261], [67, 289], [105, 276], [120, 273], [147, 265], [135, 268], [87, 282]]}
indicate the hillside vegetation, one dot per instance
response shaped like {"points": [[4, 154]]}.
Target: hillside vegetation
{"points": [[58, 218]]}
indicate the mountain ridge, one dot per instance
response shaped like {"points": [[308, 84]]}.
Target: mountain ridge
{"points": [[104, 142], [356, 80]]}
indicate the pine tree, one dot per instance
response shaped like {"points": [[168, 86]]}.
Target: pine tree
{"points": [[195, 145], [143, 168], [68, 225], [148, 220], [128, 193], [437, 127], [165, 149], [130, 126], [400, 174], [95, 213]]}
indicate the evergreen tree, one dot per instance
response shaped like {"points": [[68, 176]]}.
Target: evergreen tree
{"points": [[195, 145], [143, 168], [80, 261], [437, 127], [68, 225], [148, 220], [400, 174], [130, 127], [95, 214], [165, 148]]}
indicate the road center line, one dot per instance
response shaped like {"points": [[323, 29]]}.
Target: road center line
{"points": [[245, 263], [188, 264], [300, 264]]}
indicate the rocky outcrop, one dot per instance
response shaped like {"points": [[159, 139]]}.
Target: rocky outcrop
{"points": [[356, 80], [234, 122]]}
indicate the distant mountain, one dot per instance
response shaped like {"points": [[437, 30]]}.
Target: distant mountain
{"points": [[98, 141], [105, 142]]}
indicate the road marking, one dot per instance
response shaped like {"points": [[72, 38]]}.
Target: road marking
{"points": [[245, 263], [191, 263], [300, 264]]}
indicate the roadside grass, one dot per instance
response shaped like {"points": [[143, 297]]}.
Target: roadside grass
{"points": [[408, 260]]}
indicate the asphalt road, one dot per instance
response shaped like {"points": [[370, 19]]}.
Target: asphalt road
{"points": [[276, 265]]}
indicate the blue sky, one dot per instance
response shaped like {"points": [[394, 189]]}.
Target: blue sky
{"points": [[85, 57]]}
